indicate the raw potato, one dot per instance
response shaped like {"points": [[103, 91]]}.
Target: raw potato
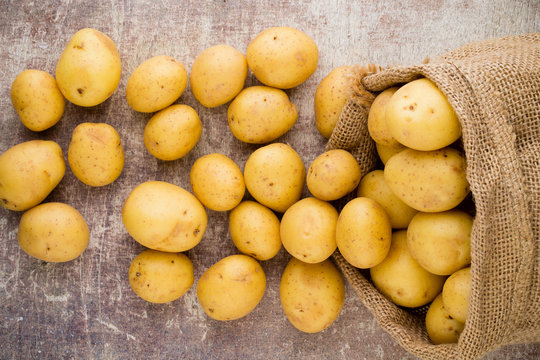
{"points": [[333, 175], [440, 326], [308, 230], [275, 175], [331, 95], [420, 117], [164, 217], [217, 182], [402, 279], [95, 154], [363, 233], [456, 294], [377, 125], [89, 69], [385, 152], [255, 230], [311, 295], [260, 114], [282, 57], [160, 277], [156, 83], [37, 99], [173, 132], [53, 232], [231, 288], [29, 171], [428, 181], [218, 74]]}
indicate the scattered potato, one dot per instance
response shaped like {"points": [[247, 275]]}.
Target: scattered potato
{"points": [[386, 152], [377, 126], [441, 327], [456, 294]]}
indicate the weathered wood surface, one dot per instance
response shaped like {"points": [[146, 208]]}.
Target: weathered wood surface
{"points": [[85, 308]]}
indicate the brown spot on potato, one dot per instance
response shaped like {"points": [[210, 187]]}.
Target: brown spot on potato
{"points": [[138, 274], [80, 91], [211, 310]]}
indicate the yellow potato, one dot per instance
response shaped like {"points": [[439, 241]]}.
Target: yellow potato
{"points": [[255, 230], [275, 175], [440, 326], [385, 152], [311, 295], [374, 186], [164, 217], [218, 74], [29, 172], [217, 182], [160, 277], [95, 154], [37, 99], [331, 95], [53, 232], [282, 57], [156, 83], [363, 233], [173, 132], [231, 288], [377, 126], [308, 230], [260, 114], [89, 69], [428, 181], [333, 175], [456, 294], [420, 117], [402, 279]]}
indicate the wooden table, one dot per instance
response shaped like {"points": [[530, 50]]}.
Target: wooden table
{"points": [[85, 308]]}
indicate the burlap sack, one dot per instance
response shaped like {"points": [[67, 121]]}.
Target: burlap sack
{"points": [[494, 87]]}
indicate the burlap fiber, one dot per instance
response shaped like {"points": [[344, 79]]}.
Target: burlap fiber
{"points": [[494, 87]]}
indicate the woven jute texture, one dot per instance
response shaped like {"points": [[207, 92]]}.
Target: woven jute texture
{"points": [[494, 87]]}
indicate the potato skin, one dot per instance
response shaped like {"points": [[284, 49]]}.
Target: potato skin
{"points": [[377, 125], [440, 326], [386, 152], [456, 294]]}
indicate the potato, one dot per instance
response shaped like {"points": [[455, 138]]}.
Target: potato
{"points": [[164, 217], [217, 182], [456, 294], [160, 277], [333, 175], [231, 288], [53, 232], [428, 181], [255, 230], [95, 154], [386, 152], [308, 230], [155, 84], [440, 326], [311, 295], [218, 74], [441, 242], [37, 99], [402, 279], [331, 95], [260, 114], [420, 117], [29, 171], [377, 125], [89, 69], [374, 186], [274, 176], [173, 132], [282, 57], [363, 233]]}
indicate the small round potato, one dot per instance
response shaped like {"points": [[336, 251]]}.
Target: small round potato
{"points": [[160, 277], [363, 233], [275, 175], [440, 326], [164, 217], [385, 152], [37, 99], [218, 74], [255, 230], [308, 230], [333, 175], [53, 232], [173, 132], [260, 114], [95, 154], [155, 84], [311, 295], [456, 294], [377, 126], [282, 57], [217, 182], [231, 288]]}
